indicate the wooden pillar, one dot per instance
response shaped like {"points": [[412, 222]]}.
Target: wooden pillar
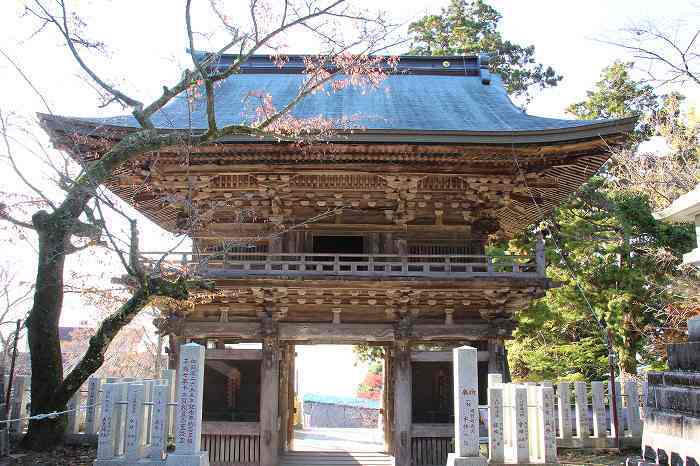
{"points": [[387, 243], [269, 400], [275, 245], [373, 243], [403, 400], [401, 248], [497, 357], [388, 400], [174, 350], [286, 400]]}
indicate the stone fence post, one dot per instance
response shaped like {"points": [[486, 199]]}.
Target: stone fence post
{"points": [[92, 412], [107, 449], [564, 410], [74, 415], [169, 376], [582, 419], [547, 428], [17, 404], [133, 434], [634, 422], [496, 447], [159, 421]]}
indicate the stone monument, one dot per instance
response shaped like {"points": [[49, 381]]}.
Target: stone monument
{"points": [[466, 399], [188, 426], [672, 413]]}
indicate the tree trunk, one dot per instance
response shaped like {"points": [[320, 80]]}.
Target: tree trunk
{"points": [[42, 334], [627, 352]]}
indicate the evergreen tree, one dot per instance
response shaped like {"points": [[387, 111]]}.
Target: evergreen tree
{"points": [[605, 243], [466, 27]]}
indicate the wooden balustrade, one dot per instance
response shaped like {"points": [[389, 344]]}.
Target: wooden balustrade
{"points": [[370, 265], [232, 443]]}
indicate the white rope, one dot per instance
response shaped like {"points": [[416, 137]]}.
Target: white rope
{"points": [[52, 415]]}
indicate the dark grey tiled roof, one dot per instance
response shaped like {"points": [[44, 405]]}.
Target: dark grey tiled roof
{"points": [[408, 100]]}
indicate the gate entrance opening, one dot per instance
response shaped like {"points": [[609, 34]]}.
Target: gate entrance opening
{"points": [[338, 401]]}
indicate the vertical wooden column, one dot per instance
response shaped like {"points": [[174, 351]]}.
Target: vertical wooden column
{"points": [[403, 401], [497, 357], [286, 394], [275, 245], [174, 347], [388, 404], [269, 402]]}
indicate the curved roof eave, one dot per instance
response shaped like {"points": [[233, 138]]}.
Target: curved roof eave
{"points": [[588, 131]]}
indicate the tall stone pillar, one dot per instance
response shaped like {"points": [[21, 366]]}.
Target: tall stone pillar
{"points": [[403, 400], [269, 400], [466, 399], [188, 423]]}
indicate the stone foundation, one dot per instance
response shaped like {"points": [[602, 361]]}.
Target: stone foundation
{"points": [[672, 414]]}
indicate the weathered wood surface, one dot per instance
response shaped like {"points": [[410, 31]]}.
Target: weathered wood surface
{"points": [[388, 414], [454, 266], [269, 402], [232, 450], [460, 331], [320, 332], [402, 405], [443, 356], [230, 428], [432, 430], [236, 354], [239, 330], [255, 173]]}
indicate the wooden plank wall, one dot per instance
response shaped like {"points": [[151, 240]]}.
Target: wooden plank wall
{"points": [[431, 451], [230, 450]]}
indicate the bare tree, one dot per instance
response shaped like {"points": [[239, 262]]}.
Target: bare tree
{"points": [[15, 296], [668, 53], [77, 219], [662, 175]]}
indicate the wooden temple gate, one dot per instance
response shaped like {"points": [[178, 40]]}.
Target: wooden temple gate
{"points": [[376, 235], [416, 408]]}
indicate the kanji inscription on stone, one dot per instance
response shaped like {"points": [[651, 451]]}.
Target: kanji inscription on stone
{"points": [[466, 402], [161, 394], [189, 403]]}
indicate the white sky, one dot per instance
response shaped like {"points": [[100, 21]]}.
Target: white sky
{"points": [[147, 44], [329, 369]]}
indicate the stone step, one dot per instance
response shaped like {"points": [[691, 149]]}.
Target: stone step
{"points": [[335, 458]]}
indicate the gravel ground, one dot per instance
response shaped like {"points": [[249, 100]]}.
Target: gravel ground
{"points": [[64, 456], [598, 458], [83, 456]]}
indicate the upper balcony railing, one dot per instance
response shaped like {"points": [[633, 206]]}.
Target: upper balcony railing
{"points": [[236, 264]]}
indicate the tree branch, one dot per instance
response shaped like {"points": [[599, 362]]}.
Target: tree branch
{"points": [[63, 28]]}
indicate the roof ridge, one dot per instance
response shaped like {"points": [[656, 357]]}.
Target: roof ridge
{"points": [[473, 65]]}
